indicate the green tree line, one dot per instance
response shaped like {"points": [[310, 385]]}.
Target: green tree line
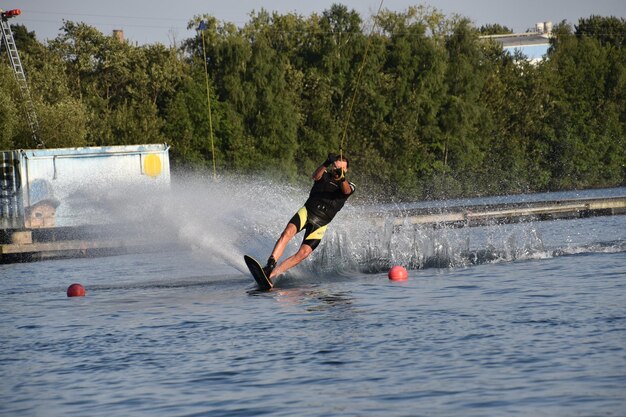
{"points": [[423, 106]]}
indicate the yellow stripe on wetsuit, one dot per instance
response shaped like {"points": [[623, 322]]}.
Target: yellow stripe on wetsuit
{"points": [[302, 214], [316, 234]]}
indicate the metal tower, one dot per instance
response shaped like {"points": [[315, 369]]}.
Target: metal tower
{"points": [[16, 64]]}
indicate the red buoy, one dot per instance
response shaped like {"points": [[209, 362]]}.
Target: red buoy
{"points": [[75, 290], [398, 273]]}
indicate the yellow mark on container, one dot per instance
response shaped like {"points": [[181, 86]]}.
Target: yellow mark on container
{"points": [[152, 165]]}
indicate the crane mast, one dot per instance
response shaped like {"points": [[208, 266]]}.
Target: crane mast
{"points": [[14, 59]]}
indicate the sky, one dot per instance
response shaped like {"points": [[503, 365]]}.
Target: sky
{"points": [[165, 21]]}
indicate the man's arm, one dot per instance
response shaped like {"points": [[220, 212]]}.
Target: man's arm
{"points": [[346, 187], [319, 172]]}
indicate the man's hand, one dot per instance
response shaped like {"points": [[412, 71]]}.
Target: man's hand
{"points": [[339, 174], [332, 157]]}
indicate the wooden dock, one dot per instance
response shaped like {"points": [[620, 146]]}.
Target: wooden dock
{"points": [[15, 252], [67, 242], [489, 214]]}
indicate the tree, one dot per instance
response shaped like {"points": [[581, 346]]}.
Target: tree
{"points": [[608, 30], [494, 29], [25, 41], [587, 143], [514, 96], [460, 151], [9, 119]]}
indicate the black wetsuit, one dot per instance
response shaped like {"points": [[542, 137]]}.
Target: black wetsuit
{"points": [[325, 200]]}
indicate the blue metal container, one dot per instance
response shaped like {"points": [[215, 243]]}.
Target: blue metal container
{"points": [[69, 187]]}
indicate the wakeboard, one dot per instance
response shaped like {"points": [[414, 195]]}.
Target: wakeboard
{"points": [[258, 274]]}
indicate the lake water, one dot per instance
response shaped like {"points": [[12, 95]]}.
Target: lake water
{"points": [[524, 319]]}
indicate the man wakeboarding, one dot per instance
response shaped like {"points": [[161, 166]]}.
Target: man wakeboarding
{"points": [[329, 193]]}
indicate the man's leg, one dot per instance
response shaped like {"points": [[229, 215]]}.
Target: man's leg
{"points": [[287, 234], [296, 224], [313, 236], [304, 251]]}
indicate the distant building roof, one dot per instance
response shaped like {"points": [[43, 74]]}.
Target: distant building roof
{"points": [[533, 45], [521, 39]]}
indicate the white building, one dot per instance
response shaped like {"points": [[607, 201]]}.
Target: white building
{"points": [[533, 44]]}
